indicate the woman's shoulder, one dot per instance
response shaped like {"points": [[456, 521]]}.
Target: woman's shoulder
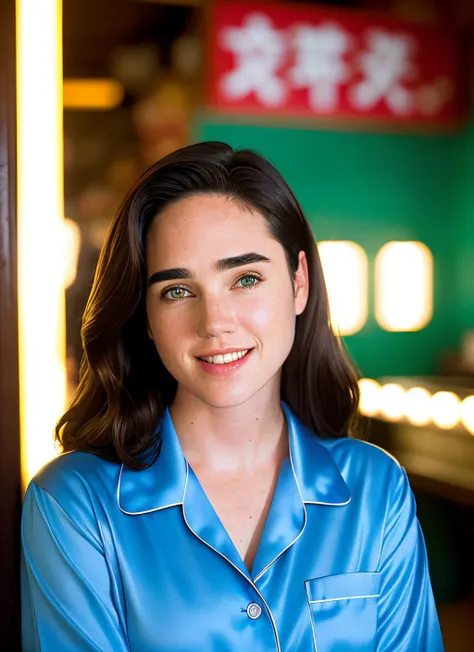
{"points": [[365, 465], [77, 474], [360, 450]]}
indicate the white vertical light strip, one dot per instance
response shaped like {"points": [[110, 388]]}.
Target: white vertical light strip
{"points": [[346, 274], [40, 228], [403, 286]]}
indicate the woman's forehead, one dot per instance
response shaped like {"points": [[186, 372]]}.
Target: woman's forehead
{"points": [[211, 227]]}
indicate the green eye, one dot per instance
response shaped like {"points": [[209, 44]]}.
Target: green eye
{"points": [[174, 294], [248, 280]]}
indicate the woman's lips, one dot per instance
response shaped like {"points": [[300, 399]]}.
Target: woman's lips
{"points": [[226, 368]]}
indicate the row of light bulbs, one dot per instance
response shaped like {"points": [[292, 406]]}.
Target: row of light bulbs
{"points": [[417, 405]]}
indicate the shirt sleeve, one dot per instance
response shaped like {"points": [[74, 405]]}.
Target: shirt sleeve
{"points": [[407, 618], [69, 597]]}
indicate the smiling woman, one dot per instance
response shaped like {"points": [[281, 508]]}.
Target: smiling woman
{"points": [[223, 306], [211, 497]]}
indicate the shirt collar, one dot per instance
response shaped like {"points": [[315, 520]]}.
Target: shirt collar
{"points": [[162, 484], [316, 472]]}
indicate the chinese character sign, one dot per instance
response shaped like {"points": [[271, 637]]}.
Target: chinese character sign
{"points": [[317, 62]]}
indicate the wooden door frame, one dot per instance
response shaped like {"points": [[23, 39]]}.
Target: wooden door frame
{"points": [[10, 470]]}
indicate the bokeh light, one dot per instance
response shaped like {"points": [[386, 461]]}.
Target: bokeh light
{"points": [[392, 401], [445, 409], [467, 413], [369, 403], [418, 406]]}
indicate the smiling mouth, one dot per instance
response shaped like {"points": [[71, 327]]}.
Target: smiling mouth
{"points": [[225, 358]]}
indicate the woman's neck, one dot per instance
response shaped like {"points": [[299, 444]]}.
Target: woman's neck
{"points": [[240, 439]]}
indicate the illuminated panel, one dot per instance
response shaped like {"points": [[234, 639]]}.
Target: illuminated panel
{"points": [[40, 228], [403, 286], [346, 274], [97, 94]]}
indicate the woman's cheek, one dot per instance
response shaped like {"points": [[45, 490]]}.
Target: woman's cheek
{"points": [[261, 313], [253, 310], [166, 329]]}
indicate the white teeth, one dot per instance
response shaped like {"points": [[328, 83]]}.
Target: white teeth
{"points": [[226, 358]]}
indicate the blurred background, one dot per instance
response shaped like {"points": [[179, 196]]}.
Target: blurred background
{"points": [[365, 107]]}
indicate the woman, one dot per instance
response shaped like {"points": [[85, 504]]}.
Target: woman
{"points": [[210, 498]]}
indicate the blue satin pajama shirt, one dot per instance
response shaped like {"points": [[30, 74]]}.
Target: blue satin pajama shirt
{"points": [[115, 559]]}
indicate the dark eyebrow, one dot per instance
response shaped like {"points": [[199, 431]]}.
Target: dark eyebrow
{"points": [[169, 275], [179, 273], [238, 261]]}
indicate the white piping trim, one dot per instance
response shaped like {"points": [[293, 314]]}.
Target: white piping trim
{"points": [[349, 597], [284, 550], [381, 449], [275, 631], [185, 486], [302, 529], [311, 619], [147, 511], [315, 502], [304, 502]]}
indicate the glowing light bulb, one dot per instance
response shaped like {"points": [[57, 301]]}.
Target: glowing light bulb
{"points": [[369, 403], [392, 401], [418, 406], [467, 413], [445, 409]]}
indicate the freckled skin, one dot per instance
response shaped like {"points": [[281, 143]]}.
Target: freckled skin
{"points": [[219, 312]]}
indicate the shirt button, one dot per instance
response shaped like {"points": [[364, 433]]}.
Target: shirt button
{"points": [[254, 610]]}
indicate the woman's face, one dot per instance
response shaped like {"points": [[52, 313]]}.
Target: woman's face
{"points": [[221, 305]]}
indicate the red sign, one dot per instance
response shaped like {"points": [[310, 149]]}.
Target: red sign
{"points": [[319, 62]]}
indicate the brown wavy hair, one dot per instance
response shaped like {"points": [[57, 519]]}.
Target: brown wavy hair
{"points": [[124, 387]]}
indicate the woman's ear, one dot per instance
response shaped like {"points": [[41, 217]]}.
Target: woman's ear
{"points": [[301, 284]]}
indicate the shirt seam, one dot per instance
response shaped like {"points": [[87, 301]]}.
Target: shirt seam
{"points": [[90, 537]]}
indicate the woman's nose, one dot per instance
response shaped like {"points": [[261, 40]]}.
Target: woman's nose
{"points": [[216, 317]]}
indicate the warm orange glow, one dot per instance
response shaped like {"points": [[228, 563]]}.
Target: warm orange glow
{"points": [[92, 94]]}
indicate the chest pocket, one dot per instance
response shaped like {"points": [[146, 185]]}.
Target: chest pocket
{"points": [[343, 611]]}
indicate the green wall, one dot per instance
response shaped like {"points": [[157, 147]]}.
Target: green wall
{"points": [[372, 188], [465, 230]]}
